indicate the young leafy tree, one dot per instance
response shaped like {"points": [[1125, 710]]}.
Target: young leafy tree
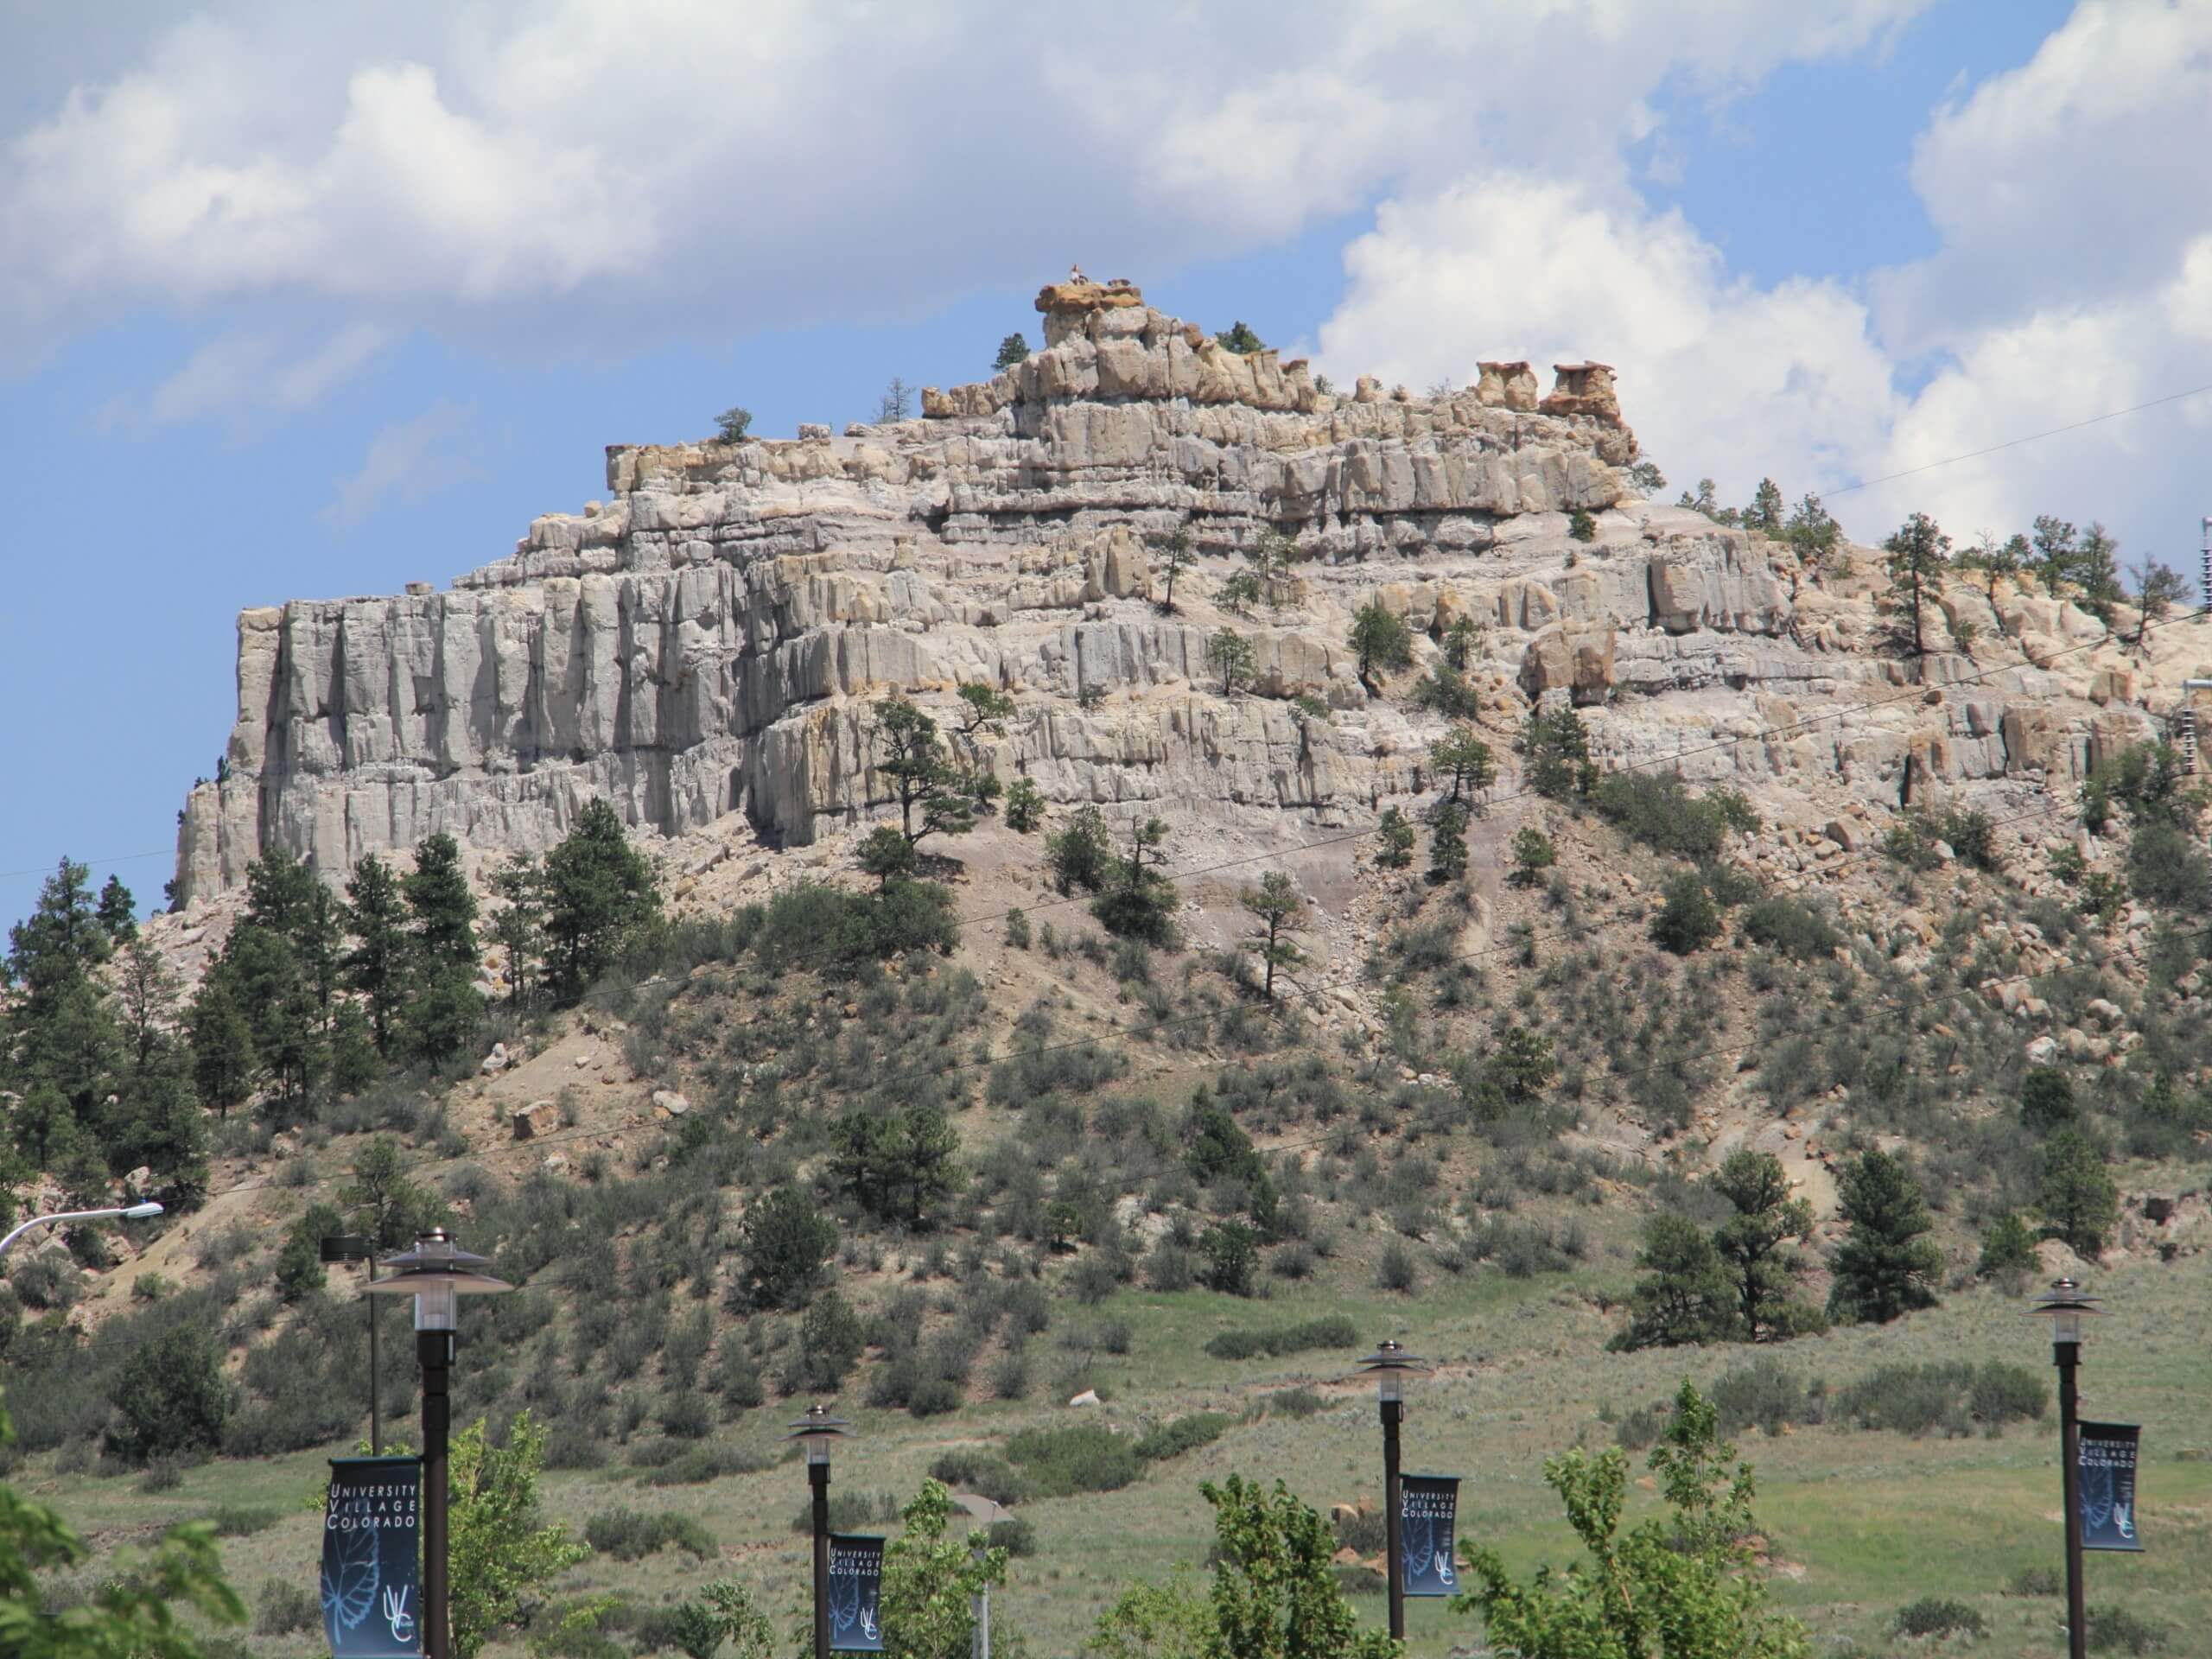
{"points": [[786, 1238], [1080, 854], [1241, 339], [1278, 905], [1275, 1587], [1918, 551], [1466, 760], [1013, 349], [299, 1262], [1177, 549], [2008, 1246], [1156, 1621], [2078, 1201], [1395, 832], [734, 423], [1751, 1242], [377, 965], [1379, 640], [132, 1613], [1683, 1585], [886, 854], [723, 1616], [1685, 1295], [1230, 654], [986, 706], [1533, 854], [930, 1581], [599, 891], [501, 1548], [1886, 1264]]}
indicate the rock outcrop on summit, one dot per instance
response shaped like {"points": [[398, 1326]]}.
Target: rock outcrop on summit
{"points": [[711, 638]]}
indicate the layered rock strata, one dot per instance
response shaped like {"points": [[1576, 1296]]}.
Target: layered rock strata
{"points": [[710, 639]]}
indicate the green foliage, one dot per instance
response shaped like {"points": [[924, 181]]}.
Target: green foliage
{"points": [[1919, 553], [1334, 1330], [1448, 844], [1886, 1264], [1240, 339], [299, 1263], [984, 705], [600, 894], [1448, 691], [723, 1616], [629, 1536], [501, 1549], [2110, 1627], [2008, 1245], [786, 1239], [1765, 514], [831, 1339], [934, 796], [1684, 1585], [1394, 830], [1939, 1617], [930, 1581], [1278, 906], [899, 1164], [135, 1611], [1657, 810], [1231, 655], [1645, 475], [1156, 1621], [1688, 920], [1275, 1596], [1685, 1296], [1556, 749], [2077, 1198], [1025, 806], [1751, 1242], [172, 1398], [1918, 1399], [1172, 1439], [1462, 759], [1137, 901], [2046, 1099], [1791, 926], [1080, 1458], [1379, 640], [733, 423], [1231, 1251], [1580, 525], [1533, 854], [1081, 855], [1013, 349]]}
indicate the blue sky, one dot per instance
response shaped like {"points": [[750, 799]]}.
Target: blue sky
{"points": [[414, 305]]}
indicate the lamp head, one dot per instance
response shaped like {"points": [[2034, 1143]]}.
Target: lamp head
{"points": [[817, 1428], [1390, 1362], [2066, 1307], [145, 1211], [437, 1273]]}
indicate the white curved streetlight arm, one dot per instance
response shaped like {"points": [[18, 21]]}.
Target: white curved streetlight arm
{"points": [[133, 1212]]}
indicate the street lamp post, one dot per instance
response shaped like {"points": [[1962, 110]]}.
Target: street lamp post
{"points": [[817, 1429], [125, 1212], [1390, 1362], [2065, 1305], [352, 1246], [437, 1273]]}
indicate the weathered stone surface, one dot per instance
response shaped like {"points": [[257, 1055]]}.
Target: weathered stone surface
{"points": [[536, 1120]]}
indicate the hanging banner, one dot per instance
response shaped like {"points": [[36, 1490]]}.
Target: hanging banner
{"points": [[855, 1592], [370, 1544], [1427, 1507], [2107, 1482]]}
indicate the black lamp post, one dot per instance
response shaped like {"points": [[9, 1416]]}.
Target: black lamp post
{"points": [[436, 1272], [337, 1248], [2065, 1304], [1390, 1362], [817, 1429]]}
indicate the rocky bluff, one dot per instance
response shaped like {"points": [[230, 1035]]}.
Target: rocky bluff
{"points": [[709, 638]]}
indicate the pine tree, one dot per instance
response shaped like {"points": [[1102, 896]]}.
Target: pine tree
{"points": [[1139, 902], [1241, 339], [1533, 854], [1379, 640], [1177, 548], [910, 755], [118, 911], [1276, 902], [392, 1210], [441, 907], [1685, 1295], [149, 992], [1811, 533], [1765, 512], [223, 1058], [1466, 760], [2078, 1200], [1013, 349], [1448, 844], [1751, 1242], [1230, 654], [376, 964], [1395, 831], [1886, 1264], [2056, 551], [1918, 551], [599, 891], [518, 925]]}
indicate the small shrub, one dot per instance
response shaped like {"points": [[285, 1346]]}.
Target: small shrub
{"points": [[1939, 1616], [1331, 1330], [1014, 1535], [1689, 920], [1184, 1434], [1082, 1457], [1363, 1529], [1396, 1270], [284, 1608], [2111, 1628], [629, 1537], [1295, 1404], [242, 1521], [971, 1471], [2039, 1581]]}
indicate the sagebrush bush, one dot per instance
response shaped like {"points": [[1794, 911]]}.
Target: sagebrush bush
{"points": [[1172, 1439], [1939, 1616], [1081, 1457], [629, 1537], [1331, 1330]]}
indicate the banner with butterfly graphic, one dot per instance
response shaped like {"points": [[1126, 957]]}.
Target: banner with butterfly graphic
{"points": [[2105, 1468], [855, 1592], [371, 1546], [1428, 1507]]}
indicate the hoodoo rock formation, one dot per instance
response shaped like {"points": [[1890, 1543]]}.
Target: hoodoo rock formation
{"points": [[710, 639]]}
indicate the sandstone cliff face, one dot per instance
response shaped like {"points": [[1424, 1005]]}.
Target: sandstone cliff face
{"points": [[709, 640]]}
